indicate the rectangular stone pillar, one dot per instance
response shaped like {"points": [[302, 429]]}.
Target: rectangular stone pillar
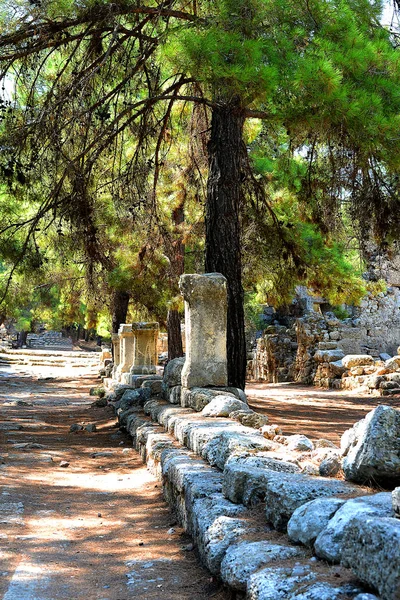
{"points": [[116, 353], [205, 326], [145, 355], [127, 339]]}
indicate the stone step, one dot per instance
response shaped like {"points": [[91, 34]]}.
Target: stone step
{"points": [[224, 531]]}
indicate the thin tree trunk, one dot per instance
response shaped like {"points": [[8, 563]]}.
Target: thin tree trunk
{"points": [[223, 247], [175, 348], [119, 309]]}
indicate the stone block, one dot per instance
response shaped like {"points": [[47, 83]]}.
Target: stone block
{"points": [[286, 492], [371, 550], [329, 355], [329, 543], [205, 319], [222, 406], [198, 398], [219, 449], [175, 394], [244, 559], [299, 443], [173, 372], [309, 520], [372, 447], [393, 363], [396, 501], [357, 360]]}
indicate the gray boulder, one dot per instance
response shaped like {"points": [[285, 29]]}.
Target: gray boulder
{"points": [[220, 448], [173, 372], [286, 492], [244, 559], [197, 398], [222, 406], [329, 543], [132, 397], [299, 443], [309, 520], [297, 583], [329, 356], [371, 550], [372, 447]]}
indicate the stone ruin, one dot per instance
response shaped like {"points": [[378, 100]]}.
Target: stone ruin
{"points": [[217, 460], [309, 348]]}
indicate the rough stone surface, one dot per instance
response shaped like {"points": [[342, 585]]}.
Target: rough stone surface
{"points": [[371, 549], [144, 351], [198, 398], [173, 372], [294, 584], [329, 543], [218, 450], [309, 520], [372, 447], [244, 559], [252, 419], [329, 356], [396, 501], [357, 360], [222, 406], [133, 398], [287, 492], [299, 443], [330, 466], [205, 319]]}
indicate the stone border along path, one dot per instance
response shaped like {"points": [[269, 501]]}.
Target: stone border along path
{"points": [[218, 499]]}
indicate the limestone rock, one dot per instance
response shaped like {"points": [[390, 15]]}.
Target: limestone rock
{"points": [[285, 493], [329, 356], [244, 559], [330, 466], [329, 543], [198, 398], [393, 363], [371, 549], [155, 385], [396, 501], [222, 406], [253, 419], [309, 520], [218, 450], [300, 443], [173, 372], [337, 367], [297, 583], [322, 443], [372, 447], [270, 431], [357, 360], [131, 397]]}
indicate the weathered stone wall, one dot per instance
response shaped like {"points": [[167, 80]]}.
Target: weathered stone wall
{"points": [[323, 339]]}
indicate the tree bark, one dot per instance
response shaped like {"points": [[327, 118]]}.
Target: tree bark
{"points": [[175, 348], [119, 309], [223, 247]]}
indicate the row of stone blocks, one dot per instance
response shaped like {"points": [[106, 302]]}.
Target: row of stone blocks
{"points": [[214, 503]]}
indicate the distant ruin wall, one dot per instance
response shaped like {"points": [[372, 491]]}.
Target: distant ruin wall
{"points": [[307, 351]]}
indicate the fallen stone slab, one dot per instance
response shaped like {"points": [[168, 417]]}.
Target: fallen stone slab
{"points": [[244, 559], [371, 550], [329, 543], [371, 448], [309, 520], [286, 492]]}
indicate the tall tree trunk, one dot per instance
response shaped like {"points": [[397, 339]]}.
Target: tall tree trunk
{"points": [[175, 348], [223, 247], [119, 309]]}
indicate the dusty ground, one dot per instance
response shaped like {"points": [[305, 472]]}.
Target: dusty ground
{"points": [[315, 412], [97, 529]]}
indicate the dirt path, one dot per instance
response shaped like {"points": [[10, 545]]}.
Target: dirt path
{"points": [[315, 412], [97, 529]]}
